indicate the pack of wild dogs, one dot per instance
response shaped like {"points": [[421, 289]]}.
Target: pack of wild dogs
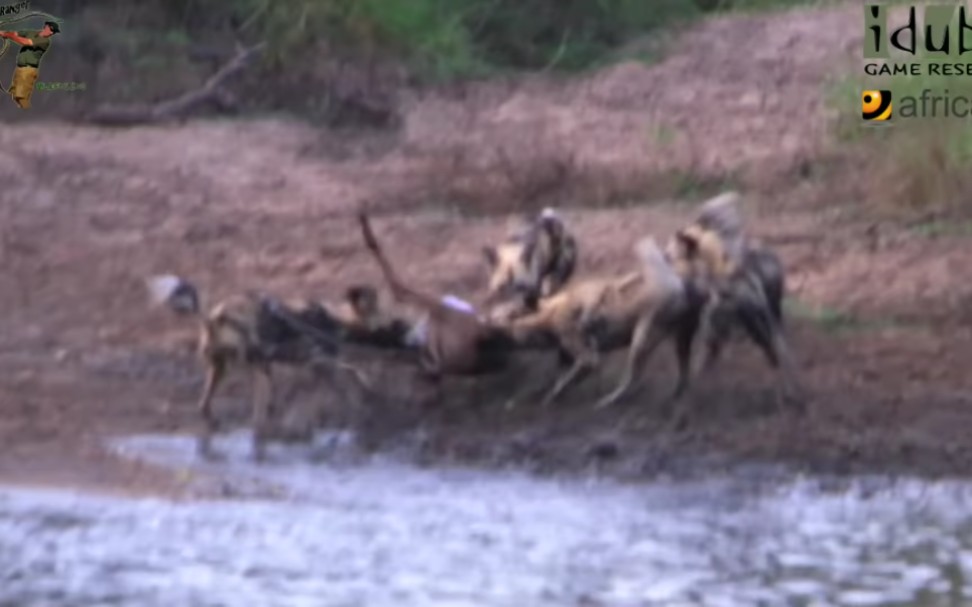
{"points": [[707, 281]]}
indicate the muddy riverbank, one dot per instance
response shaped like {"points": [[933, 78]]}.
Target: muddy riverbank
{"points": [[878, 313]]}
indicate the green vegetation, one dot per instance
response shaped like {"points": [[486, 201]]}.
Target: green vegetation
{"points": [[456, 38], [939, 229], [337, 61], [837, 321]]}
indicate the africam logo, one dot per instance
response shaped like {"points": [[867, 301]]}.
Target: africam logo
{"points": [[33, 43]]}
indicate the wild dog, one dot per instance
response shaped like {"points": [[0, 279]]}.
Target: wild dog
{"points": [[253, 331], [746, 283], [533, 263], [718, 235], [366, 322], [637, 311], [585, 318], [454, 339]]}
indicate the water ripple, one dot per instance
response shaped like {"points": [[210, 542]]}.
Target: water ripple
{"points": [[382, 533]]}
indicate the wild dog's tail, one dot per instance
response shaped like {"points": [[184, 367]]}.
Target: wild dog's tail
{"points": [[655, 268], [178, 294], [400, 291]]}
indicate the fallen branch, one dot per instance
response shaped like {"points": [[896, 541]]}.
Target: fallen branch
{"points": [[210, 91]]}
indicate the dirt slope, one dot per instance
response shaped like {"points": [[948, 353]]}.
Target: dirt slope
{"points": [[87, 213]]}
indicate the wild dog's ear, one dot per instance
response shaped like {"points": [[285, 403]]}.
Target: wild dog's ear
{"points": [[551, 221], [363, 298], [688, 241], [491, 256], [160, 288], [721, 214], [174, 292]]}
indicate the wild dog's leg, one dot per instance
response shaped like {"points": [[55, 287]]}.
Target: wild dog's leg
{"points": [[360, 376], [761, 328], [215, 371], [685, 333], [716, 324], [645, 339], [579, 364], [794, 389], [263, 407], [429, 365], [565, 358], [327, 413], [586, 357]]}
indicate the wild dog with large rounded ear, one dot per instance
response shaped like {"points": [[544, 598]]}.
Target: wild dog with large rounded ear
{"points": [[718, 230], [556, 266], [363, 301], [510, 270], [747, 294], [534, 261], [366, 322], [637, 311], [254, 331]]}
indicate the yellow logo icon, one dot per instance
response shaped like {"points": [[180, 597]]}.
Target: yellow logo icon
{"points": [[876, 105]]}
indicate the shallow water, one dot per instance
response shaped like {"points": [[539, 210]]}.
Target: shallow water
{"points": [[378, 533]]}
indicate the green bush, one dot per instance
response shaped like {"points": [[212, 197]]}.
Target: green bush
{"points": [[440, 38], [468, 37]]}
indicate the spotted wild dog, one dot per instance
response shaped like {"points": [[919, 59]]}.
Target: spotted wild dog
{"points": [[532, 263], [255, 331], [746, 283], [638, 311], [366, 322]]}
